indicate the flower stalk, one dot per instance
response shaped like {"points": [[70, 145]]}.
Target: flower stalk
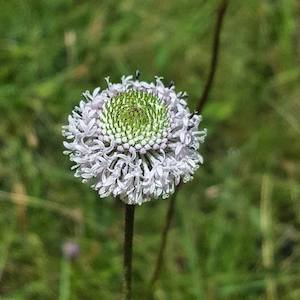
{"points": [[215, 55], [128, 246], [201, 103], [163, 242]]}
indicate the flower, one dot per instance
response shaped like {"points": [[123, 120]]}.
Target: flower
{"points": [[135, 140], [70, 249]]}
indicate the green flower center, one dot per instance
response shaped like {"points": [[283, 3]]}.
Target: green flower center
{"points": [[135, 116]]}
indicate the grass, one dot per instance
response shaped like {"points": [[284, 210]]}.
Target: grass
{"points": [[236, 230]]}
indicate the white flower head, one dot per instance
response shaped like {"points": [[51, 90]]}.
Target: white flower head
{"points": [[135, 140]]}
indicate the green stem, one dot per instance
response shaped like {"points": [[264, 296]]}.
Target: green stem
{"points": [[65, 274]]}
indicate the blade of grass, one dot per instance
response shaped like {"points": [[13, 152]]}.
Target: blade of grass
{"points": [[267, 242]]}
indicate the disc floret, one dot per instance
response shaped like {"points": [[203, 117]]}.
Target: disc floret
{"points": [[136, 119]]}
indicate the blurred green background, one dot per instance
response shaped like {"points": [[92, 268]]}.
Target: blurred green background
{"points": [[236, 233]]}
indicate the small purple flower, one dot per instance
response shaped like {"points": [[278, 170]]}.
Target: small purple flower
{"points": [[70, 249]]}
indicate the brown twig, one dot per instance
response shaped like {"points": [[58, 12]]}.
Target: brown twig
{"points": [[215, 55], [128, 238], [202, 101], [163, 242]]}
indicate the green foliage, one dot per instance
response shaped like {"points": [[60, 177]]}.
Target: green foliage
{"points": [[236, 232]]}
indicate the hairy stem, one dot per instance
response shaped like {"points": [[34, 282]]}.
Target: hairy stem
{"points": [[128, 238], [201, 103]]}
